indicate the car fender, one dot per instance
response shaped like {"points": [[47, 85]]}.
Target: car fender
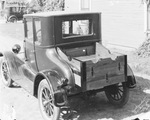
{"points": [[62, 66], [131, 81], [11, 61], [53, 77]]}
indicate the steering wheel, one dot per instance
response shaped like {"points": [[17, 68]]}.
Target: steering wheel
{"points": [[38, 32], [38, 35]]}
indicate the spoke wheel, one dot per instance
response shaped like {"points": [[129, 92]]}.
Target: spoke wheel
{"points": [[13, 20], [5, 74], [117, 94], [46, 101]]}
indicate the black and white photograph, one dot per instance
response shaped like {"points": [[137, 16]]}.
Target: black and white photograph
{"points": [[74, 59]]}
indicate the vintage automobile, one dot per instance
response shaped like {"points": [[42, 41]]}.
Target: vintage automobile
{"points": [[14, 13], [63, 57]]}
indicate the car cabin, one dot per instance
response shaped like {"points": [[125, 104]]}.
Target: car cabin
{"points": [[63, 28]]}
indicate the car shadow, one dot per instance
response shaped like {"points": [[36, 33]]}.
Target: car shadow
{"points": [[98, 107], [15, 85]]}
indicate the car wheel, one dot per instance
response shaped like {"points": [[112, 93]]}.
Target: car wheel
{"points": [[13, 19], [46, 101], [117, 94], [5, 73]]}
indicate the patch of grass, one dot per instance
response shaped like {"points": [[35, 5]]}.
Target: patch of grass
{"points": [[139, 64]]}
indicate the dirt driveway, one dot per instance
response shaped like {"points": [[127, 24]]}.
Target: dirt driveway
{"points": [[16, 102]]}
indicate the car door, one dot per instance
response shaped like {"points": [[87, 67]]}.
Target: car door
{"points": [[29, 68], [30, 58]]}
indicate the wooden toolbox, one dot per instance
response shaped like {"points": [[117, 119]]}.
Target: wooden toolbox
{"points": [[104, 72]]}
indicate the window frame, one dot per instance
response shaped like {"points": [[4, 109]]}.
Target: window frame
{"points": [[35, 30], [90, 28], [96, 22], [85, 5], [26, 20]]}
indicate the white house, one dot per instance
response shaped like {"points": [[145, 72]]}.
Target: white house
{"points": [[124, 22]]}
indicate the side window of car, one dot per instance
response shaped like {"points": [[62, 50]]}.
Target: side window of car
{"points": [[29, 29], [38, 38], [13, 9]]}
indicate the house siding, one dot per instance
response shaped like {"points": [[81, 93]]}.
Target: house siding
{"points": [[122, 21], [72, 5]]}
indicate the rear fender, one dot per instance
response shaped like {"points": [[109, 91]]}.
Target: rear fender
{"points": [[53, 78], [131, 81]]}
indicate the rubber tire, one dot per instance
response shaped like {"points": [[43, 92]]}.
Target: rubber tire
{"points": [[44, 84], [123, 100], [13, 20], [9, 81]]}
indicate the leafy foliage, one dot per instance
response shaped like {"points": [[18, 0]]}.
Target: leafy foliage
{"points": [[144, 49], [45, 5], [40, 5], [33, 6], [51, 5], [146, 1]]}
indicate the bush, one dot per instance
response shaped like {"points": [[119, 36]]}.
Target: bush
{"points": [[144, 49], [51, 5]]}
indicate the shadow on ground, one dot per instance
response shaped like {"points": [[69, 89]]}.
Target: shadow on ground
{"points": [[15, 85], [98, 107]]}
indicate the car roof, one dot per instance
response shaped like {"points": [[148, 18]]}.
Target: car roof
{"points": [[58, 13]]}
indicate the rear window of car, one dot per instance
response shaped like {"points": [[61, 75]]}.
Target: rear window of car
{"points": [[77, 28]]}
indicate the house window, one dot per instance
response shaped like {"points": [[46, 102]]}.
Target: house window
{"points": [[85, 4]]}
